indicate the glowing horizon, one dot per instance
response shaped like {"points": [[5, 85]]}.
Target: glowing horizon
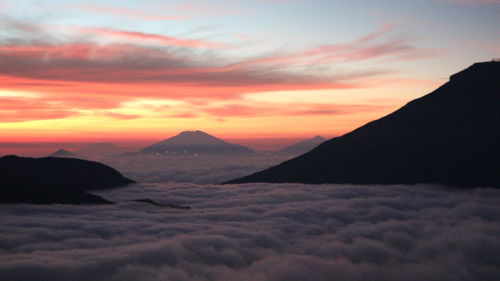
{"points": [[130, 70]]}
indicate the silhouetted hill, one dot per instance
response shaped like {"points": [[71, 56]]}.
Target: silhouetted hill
{"points": [[55, 180], [63, 153], [304, 146], [451, 136], [195, 142]]}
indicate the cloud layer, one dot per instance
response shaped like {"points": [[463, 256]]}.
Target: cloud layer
{"points": [[74, 69], [201, 169], [259, 232]]}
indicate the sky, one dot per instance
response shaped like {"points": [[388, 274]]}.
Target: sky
{"points": [[146, 70]]}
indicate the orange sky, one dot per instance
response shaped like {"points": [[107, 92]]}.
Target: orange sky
{"points": [[91, 92], [124, 71]]}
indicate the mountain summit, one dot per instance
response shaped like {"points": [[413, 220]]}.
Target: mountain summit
{"points": [[450, 136], [63, 153], [195, 142]]}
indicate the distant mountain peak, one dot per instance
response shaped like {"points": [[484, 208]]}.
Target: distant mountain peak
{"points": [[63, 153], [195, 132], [193, 138], [304, 146], [194, 142]]}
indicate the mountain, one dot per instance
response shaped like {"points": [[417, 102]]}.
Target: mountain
{"points": [[450, 136], [55, 180], [195, 142], [63, 153], [102, 149], [303, 146]]}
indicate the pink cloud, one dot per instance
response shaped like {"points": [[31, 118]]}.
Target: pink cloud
{"points": [[156, 38], [25, 109], [87, 75], [363, 48], [302, 109], [489, 47], [119, 63], [121, 116], [42, 114], [183, 115]]}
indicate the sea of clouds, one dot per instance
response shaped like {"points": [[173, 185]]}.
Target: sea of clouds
{"points": [[258, 232], [200, 169]]}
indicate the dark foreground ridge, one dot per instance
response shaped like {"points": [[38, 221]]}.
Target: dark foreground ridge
{"points": [[55, 180], [450, 136], [195, 142]]}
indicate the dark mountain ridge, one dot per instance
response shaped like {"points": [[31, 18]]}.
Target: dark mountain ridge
{"points": [[450, 136], [55, 180]]}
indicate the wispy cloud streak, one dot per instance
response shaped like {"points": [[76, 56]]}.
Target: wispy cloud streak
{"points": [[155, 38], [87, 74]]}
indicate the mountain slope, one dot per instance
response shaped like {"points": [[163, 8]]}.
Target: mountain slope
{"points": [[195, 142], [450, 136], [304, 146], [55, 180]]}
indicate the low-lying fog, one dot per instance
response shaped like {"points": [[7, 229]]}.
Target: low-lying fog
{"points": [[258, 232], [200, 169]]}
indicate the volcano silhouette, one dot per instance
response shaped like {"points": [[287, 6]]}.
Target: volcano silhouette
{"points": [[63, 153], [450, 136], [195, 142]]}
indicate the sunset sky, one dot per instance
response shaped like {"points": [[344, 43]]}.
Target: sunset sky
{"points": [[121, 70]]}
